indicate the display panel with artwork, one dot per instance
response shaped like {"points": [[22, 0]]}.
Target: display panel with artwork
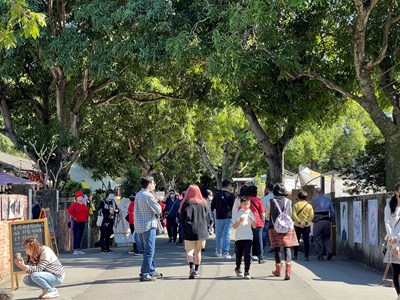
{"points": [[4, 207], [344, 221], [357, 219], [373, 222]]}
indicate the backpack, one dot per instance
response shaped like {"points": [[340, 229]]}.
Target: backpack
{"points": [[283, 223]]}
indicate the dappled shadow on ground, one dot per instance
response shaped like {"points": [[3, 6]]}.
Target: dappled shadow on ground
{"points": [[170, 255]]}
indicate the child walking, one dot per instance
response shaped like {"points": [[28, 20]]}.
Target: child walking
{"points": [[243, 222]]}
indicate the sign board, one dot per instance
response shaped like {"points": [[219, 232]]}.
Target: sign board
{"points": [[19, 231], [45, 213]]}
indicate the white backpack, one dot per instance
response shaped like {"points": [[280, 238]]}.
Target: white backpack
{"points": [[283, 223]]}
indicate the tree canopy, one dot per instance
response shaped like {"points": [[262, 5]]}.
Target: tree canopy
{"points": [[159, 82]]}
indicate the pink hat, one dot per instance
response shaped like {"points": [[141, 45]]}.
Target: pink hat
{"points": [[78, 194]]}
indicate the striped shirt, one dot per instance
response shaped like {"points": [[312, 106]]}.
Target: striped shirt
{"points": [[48, 262], [146, 209]]}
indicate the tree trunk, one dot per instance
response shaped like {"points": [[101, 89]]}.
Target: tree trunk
{"points": [[276, 165], [273, 152], [165, 182], [392, 158]]}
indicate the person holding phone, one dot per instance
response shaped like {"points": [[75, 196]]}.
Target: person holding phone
{"points": [[244, 223], [43, 267]]}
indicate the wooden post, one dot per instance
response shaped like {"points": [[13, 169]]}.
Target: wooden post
{"points": [[384, 281], [333, 224]]}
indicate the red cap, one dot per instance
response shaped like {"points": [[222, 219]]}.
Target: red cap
{"points": [[78, 194]]}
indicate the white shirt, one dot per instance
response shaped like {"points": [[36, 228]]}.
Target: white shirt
{"points": [[390, 221], [266, 202], [244, 231]]}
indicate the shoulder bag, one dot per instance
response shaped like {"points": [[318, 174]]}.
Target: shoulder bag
{"points": [[302, 209], [385, 244], [72, 222], [159, 228], [166, 214], [100, 217]]}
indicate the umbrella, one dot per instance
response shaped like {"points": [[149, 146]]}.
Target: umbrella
{"points": [[10, 179]]}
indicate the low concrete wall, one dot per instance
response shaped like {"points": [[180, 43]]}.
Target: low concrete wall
{"points": [[365, 253]]}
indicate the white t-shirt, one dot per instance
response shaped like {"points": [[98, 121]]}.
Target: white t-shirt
{"points": [[244, 231]]}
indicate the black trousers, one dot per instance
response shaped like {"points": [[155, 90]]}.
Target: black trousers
{"points": [[106, 231], [322, 237], [243, 248], [396, 274], [172, 228], [305, 232]]}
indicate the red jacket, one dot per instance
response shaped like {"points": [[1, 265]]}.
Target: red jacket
{"points": [[163, 205], [131, 212], [257, 208], [79, 212]]}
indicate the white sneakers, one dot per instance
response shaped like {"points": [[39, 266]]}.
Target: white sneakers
{"points": [[226, 255], [78, 252], [50, 295]]}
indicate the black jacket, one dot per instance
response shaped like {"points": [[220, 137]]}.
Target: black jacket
{"points": [[223, 203], [195, 221]]}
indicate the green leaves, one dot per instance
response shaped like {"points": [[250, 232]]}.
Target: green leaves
{"points": [[18, 19]]}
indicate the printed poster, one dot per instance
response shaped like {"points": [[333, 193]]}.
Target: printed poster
{"points": [[357, 218], [12, 206], [373, 222], [344, 221], [4, 207]]}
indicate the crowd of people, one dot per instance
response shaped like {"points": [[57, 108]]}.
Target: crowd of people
{"points": [[193, 216], [196, 214]]}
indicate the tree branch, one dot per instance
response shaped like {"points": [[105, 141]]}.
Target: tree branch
{"points": [[35, 103], [385, 39], [235, 161], [251, 117], [100, 87], [244, 168], [329, 84], [125, 96], [206, 159], [8, 129], [287, 135]]}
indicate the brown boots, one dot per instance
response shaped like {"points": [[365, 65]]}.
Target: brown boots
{"points": [[288, 271], [278, 269]]}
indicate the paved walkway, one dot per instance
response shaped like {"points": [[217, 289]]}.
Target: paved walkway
{"points": [[115, 276]]}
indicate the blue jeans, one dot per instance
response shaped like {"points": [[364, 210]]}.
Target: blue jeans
{"points": [[79, 228], [258, 249], [148, 242], [137, 241], [265, 234], [223, 230], [44, 280], [135, 238]]}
